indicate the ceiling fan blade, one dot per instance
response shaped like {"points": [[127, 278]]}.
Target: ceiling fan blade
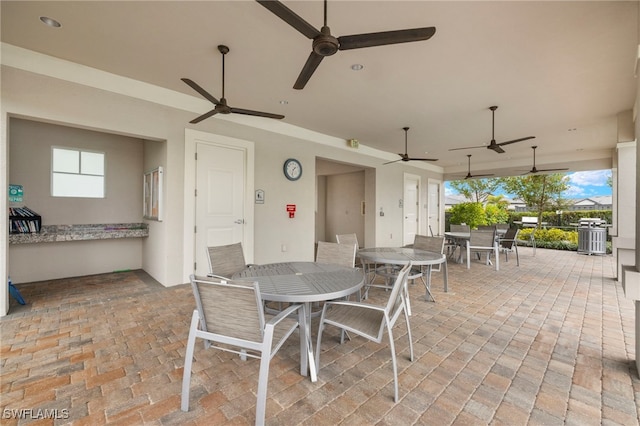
{"points": [[422, 159], [359, 41], [516, 140], [468, 147], [477, 176], [204, 116], [290, 17], [496, 148], [307, 71], [551, 170], [394, 161], [256, 113], [200, 90]]}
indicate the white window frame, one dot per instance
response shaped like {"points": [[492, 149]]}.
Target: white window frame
{"points": [[79, 173]]}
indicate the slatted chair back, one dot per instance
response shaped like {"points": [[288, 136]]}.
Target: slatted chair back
{"points": [[459, 228], [483, 242], [348, 239], [509, 238], [509, 243], [434, 244], [480, 239], [336, 253], [231, 308], [226, 260]]}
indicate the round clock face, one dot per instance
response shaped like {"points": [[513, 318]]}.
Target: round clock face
{"points": [[292, 169]]}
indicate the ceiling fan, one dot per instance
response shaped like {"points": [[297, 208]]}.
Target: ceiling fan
{"points": [[405, 156], [469, 175], [221, 106], [325, 44], [535, 170], [497, 147]]}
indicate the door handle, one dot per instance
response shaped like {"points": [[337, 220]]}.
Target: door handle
{"points": [[239, 221]]}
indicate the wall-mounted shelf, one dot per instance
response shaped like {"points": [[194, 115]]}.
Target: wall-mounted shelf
{"points": [[23, 220], [64, 233]]}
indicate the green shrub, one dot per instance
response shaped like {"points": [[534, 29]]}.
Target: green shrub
{"points": [[495, 214], [470, 213], [552, 238]]}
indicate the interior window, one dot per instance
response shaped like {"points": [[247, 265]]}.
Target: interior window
{"points": [[77, 173]]}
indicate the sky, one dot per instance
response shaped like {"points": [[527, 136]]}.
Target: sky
{"points": [[581, 184]]}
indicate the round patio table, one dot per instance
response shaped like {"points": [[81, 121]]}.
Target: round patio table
{"points": [[304, 282], [404, 255]]}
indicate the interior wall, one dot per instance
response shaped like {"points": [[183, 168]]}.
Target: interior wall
{"points": [[34, 95], [321, 208], [345, 195], [155, 154], [30, 166]]}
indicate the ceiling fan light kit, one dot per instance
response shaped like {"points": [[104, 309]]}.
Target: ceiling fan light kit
{"points": [[221, 106], [325, 44]]}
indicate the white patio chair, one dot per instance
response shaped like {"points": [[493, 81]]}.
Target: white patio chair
{"points": [[434, 244], [370, 321], [336, 253], [230, 313], [483, 242], [226, 260]]}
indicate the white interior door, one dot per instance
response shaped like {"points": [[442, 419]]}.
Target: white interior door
{"points": [[433, 207], [220, 199], [410, 208]]}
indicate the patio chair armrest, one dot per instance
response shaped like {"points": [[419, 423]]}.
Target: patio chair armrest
{"points": [[283, 314], [218, 276], [357, 304]]}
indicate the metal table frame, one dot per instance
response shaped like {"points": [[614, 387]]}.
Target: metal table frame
{"points": [[307, 283], [404, 255]]}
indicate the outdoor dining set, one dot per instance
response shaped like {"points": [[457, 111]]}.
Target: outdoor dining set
{"points": [[251, 310]]}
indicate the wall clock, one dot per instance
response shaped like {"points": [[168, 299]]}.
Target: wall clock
{"points": [[292, 169]]}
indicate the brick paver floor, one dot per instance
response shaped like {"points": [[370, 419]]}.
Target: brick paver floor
{"points": [[548, 343]]}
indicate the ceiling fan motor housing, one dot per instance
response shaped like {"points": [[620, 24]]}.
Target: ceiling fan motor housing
{"points": [[325, 44]]}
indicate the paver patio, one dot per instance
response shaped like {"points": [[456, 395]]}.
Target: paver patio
{"points": [[550, 342]]}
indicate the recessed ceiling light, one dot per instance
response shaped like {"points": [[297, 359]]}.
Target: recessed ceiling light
{"points": [[357, 67], [50, 22]]}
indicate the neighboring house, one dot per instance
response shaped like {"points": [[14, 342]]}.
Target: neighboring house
{"points": [[604, 202]]}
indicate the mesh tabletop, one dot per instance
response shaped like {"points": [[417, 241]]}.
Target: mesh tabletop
{"points": [[400, 256], [298, 282]]}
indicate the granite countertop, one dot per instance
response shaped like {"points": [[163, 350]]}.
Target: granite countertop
{"points": [[62, 233]]}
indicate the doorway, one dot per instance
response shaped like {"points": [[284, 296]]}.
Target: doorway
{"points": [[434, 219], [410, 206], [218, 195]]}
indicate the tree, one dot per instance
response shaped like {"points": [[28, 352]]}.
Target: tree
{"points": [[476, 190], [470, 213], [539, 191], [497, 209]]}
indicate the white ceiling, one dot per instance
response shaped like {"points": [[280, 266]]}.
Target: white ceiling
{"points": [[560, 71]]}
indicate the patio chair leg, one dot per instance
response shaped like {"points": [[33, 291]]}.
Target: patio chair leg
{"points": [[188, 360]]}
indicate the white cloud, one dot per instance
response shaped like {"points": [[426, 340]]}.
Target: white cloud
{"points": [[591, 178], [585, 184]]}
